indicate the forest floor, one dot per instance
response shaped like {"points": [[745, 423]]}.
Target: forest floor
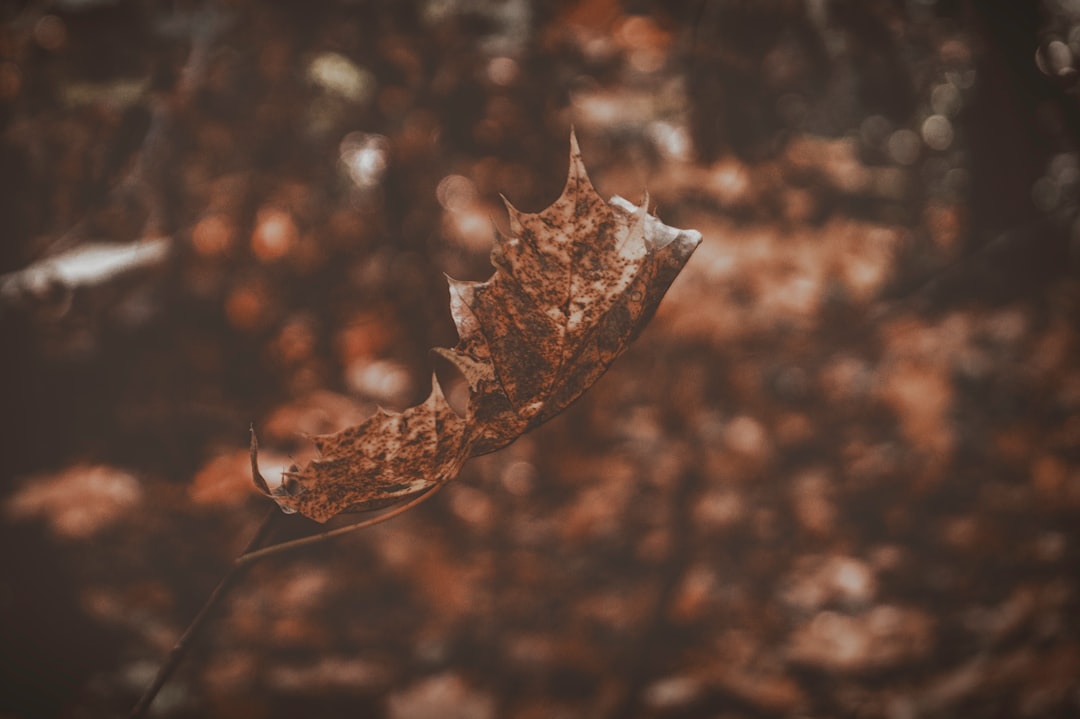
{"points": [[838, 475]]}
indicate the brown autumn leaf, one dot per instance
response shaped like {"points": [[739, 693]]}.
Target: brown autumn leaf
{"points": [[573, 285]]}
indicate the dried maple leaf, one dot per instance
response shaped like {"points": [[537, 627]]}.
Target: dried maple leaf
{"points": [[573, 286]]}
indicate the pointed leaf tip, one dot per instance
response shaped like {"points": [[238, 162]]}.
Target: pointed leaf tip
{"points": [[253, 452], [577, 165]]}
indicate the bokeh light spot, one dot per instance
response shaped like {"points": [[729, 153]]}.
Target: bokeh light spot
{"points": [[365, 158], [275, 234], [381, 380], [246, 307], [212, 235], [337, 74], [50, 32], [903, 147], [937, 132], [455, 193], [645, 42], [945, 99], [502, 71]]}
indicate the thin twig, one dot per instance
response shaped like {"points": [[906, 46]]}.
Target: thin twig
{"points": [[249, 556], [182, 645], [254, 556]]}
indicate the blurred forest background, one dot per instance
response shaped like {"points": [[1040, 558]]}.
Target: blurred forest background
{"points": [[837, 476]]}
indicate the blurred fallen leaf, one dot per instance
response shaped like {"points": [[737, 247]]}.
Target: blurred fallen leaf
{"points": [[77, 502]]}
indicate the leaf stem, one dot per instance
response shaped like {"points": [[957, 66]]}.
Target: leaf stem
{"points": [[253, 556], [182, 645]]}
